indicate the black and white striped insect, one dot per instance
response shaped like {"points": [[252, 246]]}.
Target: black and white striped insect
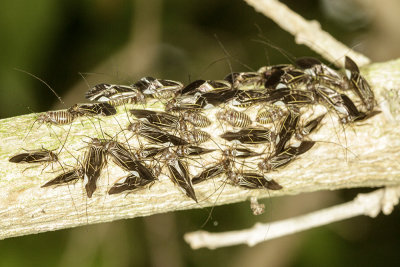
{"points": [[196, 119], [130, 183], [234, 118], [252, 135], [157, 118], [270, 114], [320, 73], [244, 79], [195, 136], [58, 117], [94, 162], [225, 165], [155, 134], [309, 127], [36, 156], [158, 88], [246, 98], [359, 84], [115, 95], [252, 180], [287, 129], [203, 86], [285, 156], [179, 173], [282, 76], [91, 109], [67, 177]]}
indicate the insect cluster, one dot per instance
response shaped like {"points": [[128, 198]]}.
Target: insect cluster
{"points": [[239, 128]]}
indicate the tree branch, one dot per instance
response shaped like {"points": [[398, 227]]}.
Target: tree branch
{"points": [[364, 204], [306, 32], [370, 160]]}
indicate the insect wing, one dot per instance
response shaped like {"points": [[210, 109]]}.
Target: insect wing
{"points": [[131, 182], [192, 87], [180, 176], [67, 177], [250, 136], [287, 130], [157, 118], [94, 162], [256, 181], [33, 157], [208, 173]]}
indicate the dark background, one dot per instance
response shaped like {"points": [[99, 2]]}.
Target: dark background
{"points": [[72, 45]]}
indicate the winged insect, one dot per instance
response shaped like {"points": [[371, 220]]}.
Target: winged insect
{"points": [[252, 180], [359, 84], [244, 79], [67, 177], [94, 161], [91, 109], [204, 86], [179, 173], [285, 156], [115, 95], [155, 134], [36, 156], [158, 88]]}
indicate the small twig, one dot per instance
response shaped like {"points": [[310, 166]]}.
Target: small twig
{"points": [[364, 204], [308, 33]]}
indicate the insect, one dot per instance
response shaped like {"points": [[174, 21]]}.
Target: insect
{"points": [[130, 183], [115, 94], [291, 97], [250, 136], [158, 88], [234, 118], [94, 161], [282, 76], [203, 86], [246, 98], [195, 136], [309, 127], [244, 79], [215, 98], [103, 109], [287, 129], [42, 155], [70, 176], [251, 180], [158, 118], [359, 84], [209, 173], [270, 114], [56, 117], [189, 150], [126, 160], [225, 165], [285, 156], [190, 102], [155, 134], [179, 173], [196, 119], [240, 153], [320, 72]]}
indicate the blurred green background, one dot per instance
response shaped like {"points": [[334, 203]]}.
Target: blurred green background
{"points": [[72, 45]]}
